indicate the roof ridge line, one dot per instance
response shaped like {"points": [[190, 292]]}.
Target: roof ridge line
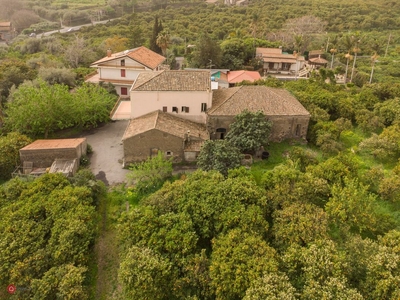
{"points": [[156, 119], [155, 73], [227, 99]]}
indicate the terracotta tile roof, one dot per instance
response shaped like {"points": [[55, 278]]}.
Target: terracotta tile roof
{"points": [[315, 52], [167, 123], [239, 76], [54, 144], [141, 54], [173, 81], [268, 51], [318, 60], [276, 55], [272, 101]]}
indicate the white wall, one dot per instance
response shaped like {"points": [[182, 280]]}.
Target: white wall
{"points": [[128, 63], [146, 102], [115, 74]]}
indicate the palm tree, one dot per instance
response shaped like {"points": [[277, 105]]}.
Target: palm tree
{"points": [[348, 43], [332, 51], [355, 50], [348, 58], [373, 61], [254, 24], [298, 42], [163, 41]]}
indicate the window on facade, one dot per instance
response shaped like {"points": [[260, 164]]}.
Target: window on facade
{"points": [[185, 109], [164, 109], [285, 66], [124, 91], [168, 153], [271, 66], [203, 106], [174, 109], [122, 72], [122, 62]]}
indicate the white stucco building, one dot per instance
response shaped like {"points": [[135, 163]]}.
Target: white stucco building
{"points": [[187, 94], [121, 69]]}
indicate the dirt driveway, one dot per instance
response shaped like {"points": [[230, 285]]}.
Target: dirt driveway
{"points": [[106, 160]]}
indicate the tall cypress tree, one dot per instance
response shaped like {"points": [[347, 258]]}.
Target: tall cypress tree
{"points": [[157, 28]]}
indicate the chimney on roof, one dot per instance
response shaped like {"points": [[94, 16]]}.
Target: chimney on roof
{"points": [[109, 52]]}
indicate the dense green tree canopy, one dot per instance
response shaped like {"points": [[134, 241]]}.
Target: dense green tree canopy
{"points": [[48, 226], [219, 155], [9, 152], [43, 109], [249, 131]]}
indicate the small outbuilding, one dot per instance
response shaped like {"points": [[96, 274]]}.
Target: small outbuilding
{"points": [[42, 154], [177, 138]]}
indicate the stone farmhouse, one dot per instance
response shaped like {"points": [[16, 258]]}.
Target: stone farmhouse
{"points": [[289, 118], [122, 68], [176, 111]]}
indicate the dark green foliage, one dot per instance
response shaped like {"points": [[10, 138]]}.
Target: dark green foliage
{"points": [[47, 229], [249, 131], [237, 260], [272, 286], [299, 224], [207, 53], [9, 152], [87, 106], [179, 222], [59, 76], [13, 72], [145, 275], [219, 155], [148, 176], [157, 28]]}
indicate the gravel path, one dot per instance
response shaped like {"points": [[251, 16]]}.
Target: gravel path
{"points": [[106, 160]]}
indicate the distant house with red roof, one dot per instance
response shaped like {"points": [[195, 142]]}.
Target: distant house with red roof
{"points": [[234, 77], [122, 68], [276, 61]]}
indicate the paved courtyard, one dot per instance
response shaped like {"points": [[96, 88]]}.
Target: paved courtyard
{"points": [[106, 160]]}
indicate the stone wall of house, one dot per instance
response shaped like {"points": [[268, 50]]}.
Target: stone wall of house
{"points": [[283, 127], [43, 158], [141, 146]]}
